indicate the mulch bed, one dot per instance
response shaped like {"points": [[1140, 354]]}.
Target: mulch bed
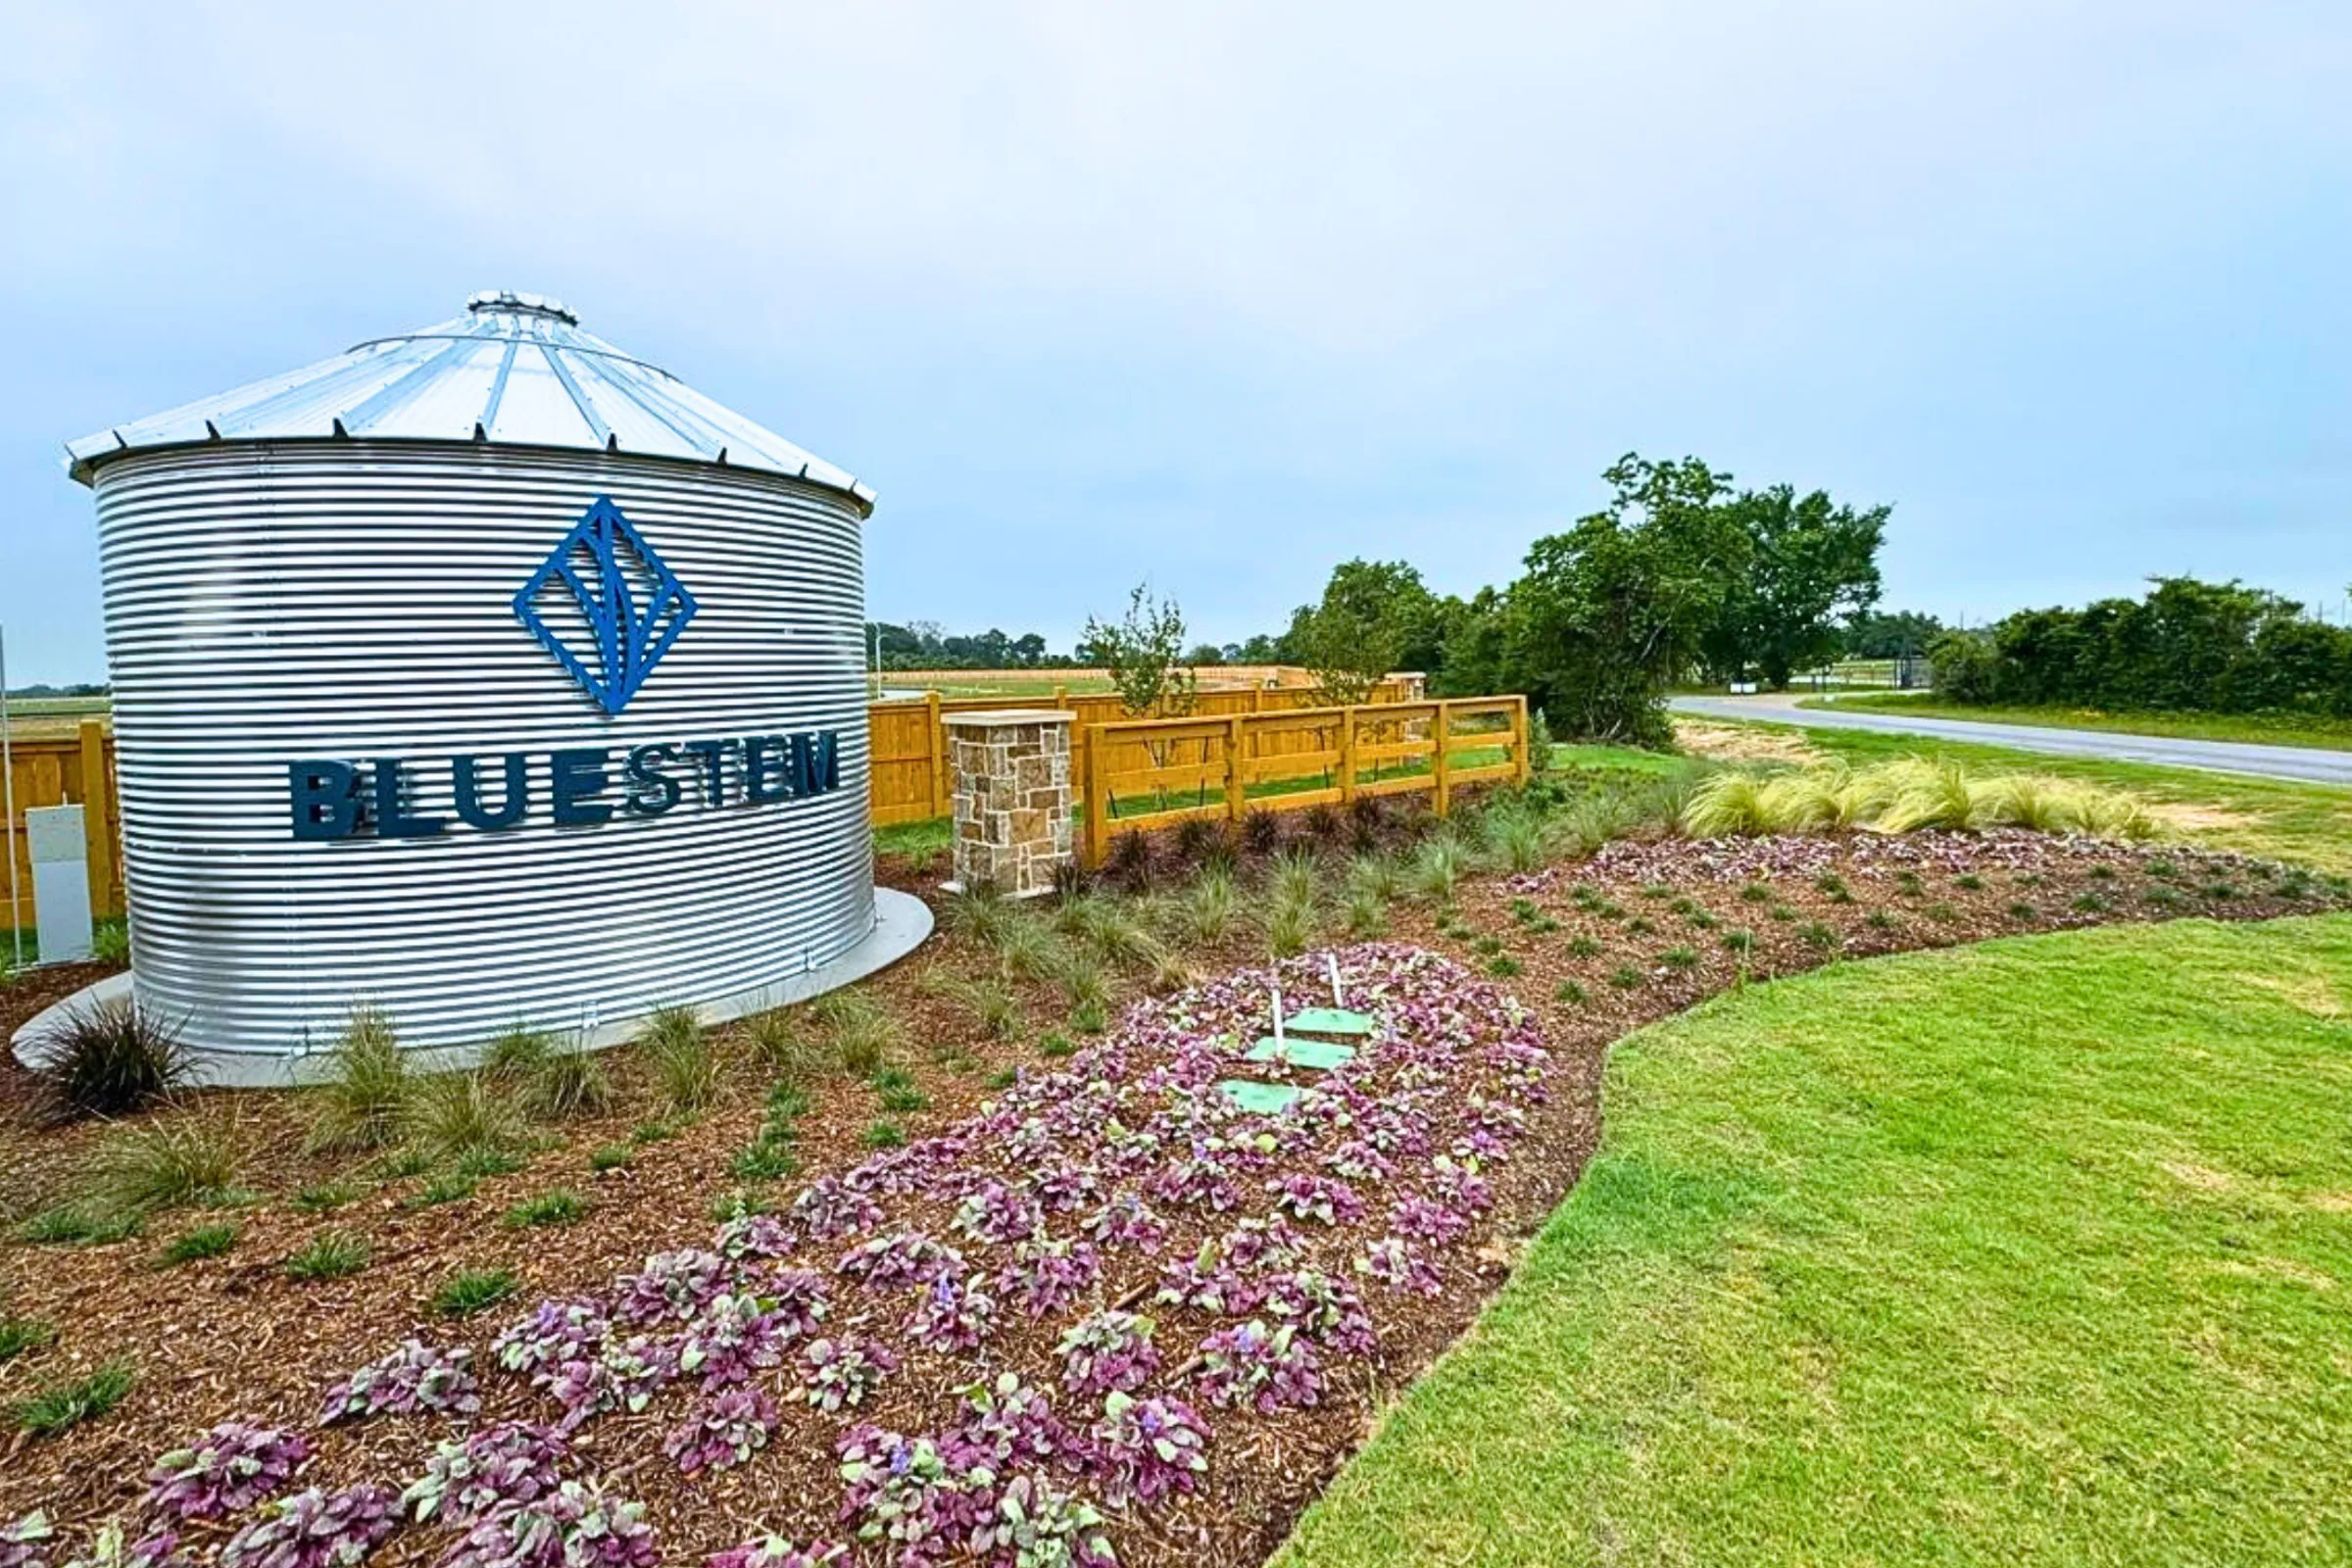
{"points": [[1591, 951]]}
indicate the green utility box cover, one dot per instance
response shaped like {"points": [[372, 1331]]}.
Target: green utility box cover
{"points": [[1263, 1100], [1320, 1054], [1329, 1022]]}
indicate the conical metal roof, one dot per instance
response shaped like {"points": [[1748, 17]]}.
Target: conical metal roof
{"points": [[515, 370]]}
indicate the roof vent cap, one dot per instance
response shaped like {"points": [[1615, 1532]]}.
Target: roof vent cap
{"points": [[506, 301]]}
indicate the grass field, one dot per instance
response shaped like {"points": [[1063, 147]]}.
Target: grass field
{"points": [[2033, 1252], [2274, 817], [2259, 729], [52, 717]]}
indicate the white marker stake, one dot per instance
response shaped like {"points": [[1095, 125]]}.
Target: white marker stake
{"points": [[1278, 1020], [1336, 1001]]}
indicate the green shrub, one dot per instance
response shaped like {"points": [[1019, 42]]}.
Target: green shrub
{"points": [[1624, 977], [473, 1291], [50, 1411], [108, 1058], [652, 1132], [1502, 966], [1056, 1044], [560, 1206], [1756, 891], [1816, 935], [1881, 920], [329, 1256], [358, 1103], [1002, 1078], [1968, 882], [2021, 910], [897, 1091], [110, 943], [205, 1241], [885, 1135], [1738, 940], [168, 1164], [565, 1085], [678, 1051], [1569, 993], [609, 1157], [1680, 959], [1584, 946]]}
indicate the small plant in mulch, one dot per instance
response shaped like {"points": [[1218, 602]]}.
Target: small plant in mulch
{"points": [[1968, 882], [55, 1406], [325, 1198], [557, 1207], [1881, 920], [1502, 966], [202, 1242], [2020, 909], [896, 1089], [1909, 882], [1756, 891], [884, 1135], [843, 1372], [449, 1187], [653, 1132], [1680, 959], [1813, 934], [411, 1377], [2087, 902], [329, 1256], [75, 1225], [21, 1336], [110, 1058], [675, 1047], [1738, 941], [360, 1102], [1582, 946], [1641, 925], [1780, 913], [316, 1529], [226, 1471], [2220, 890], [1569, 993], [1624, 977], [609, 1157]]}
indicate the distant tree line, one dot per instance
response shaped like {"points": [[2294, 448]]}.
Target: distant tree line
{"points": [[924, 645], [2187, 645], [42, 689], [1680, 574]]}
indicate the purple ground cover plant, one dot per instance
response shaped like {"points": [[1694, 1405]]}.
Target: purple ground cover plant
{"points": [[1143, 1450], [1039, 1526], [899, 1259], [724, 1429], [316, 1529], [1044, 1276], [843, 1372], [575, 1526], [555, 1333], [1269, 1370], [953, 1316], [774, 1552], [1398, 1264], [1010, 1423], [996, 1212], [1125, 1221], [26, 1543], [671, 1285], [410, 1378], [230, 1468], [1108, 1352], [507, 1463]]}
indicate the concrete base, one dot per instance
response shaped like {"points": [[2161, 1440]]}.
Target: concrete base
{"points": [[901, 923]]}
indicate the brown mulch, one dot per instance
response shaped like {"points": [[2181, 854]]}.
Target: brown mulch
{"points": [[232, 1337]]}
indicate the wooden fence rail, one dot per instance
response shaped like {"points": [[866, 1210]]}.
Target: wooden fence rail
{"points": [[909, 776], [1140, 775]]}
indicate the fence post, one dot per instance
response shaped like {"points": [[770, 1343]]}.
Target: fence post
{"points": [[97, 796], [1061, 697], [1236, 788], [1348, 756], [1097, 799], [938, 747], [1439, 734], [1521, 742]]}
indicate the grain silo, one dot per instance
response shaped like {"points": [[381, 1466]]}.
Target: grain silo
{"points": [[487, 674]]}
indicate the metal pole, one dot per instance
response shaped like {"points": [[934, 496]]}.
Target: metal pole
{"points": [[8, 818]]}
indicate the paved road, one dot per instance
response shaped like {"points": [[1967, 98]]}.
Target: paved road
{"points": [[2309, 763]]}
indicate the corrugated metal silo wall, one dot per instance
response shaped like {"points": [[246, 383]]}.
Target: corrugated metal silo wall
{"points": [[346, 601]]}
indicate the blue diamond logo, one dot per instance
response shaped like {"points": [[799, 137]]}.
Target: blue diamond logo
{"points": [[606, 605]]}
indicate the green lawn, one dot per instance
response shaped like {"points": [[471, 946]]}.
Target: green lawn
{"points": [[2035, 1253], [2278, 818], [2261, 729]]}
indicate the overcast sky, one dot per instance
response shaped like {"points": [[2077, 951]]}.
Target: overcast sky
{"points": [[1218, 295]]}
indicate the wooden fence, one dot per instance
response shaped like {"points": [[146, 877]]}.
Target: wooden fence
{"points": [[911, 780], [1139, 774], [67, 771]]}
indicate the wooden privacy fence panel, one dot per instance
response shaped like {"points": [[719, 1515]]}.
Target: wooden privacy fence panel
{"points": [[1140, 775], [909, 766], [55, 771]]}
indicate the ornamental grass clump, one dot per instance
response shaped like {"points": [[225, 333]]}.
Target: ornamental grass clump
{"points": [[170, 1163], [55, 1406], [677, 1050], [359, 1101], [1905, 796], [110, 1058], [454, 1115]]}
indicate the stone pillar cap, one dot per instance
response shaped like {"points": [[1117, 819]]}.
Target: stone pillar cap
{"points": [[991, 718]]}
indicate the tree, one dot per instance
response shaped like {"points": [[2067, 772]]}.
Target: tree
{"points": [[1889, 635], [1370, 613], [1206, 654], [1142, 655], [1611, 612], [1809, 562]]}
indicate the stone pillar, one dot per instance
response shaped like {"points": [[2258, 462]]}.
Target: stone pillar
{"points": [[1011, 779]]}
